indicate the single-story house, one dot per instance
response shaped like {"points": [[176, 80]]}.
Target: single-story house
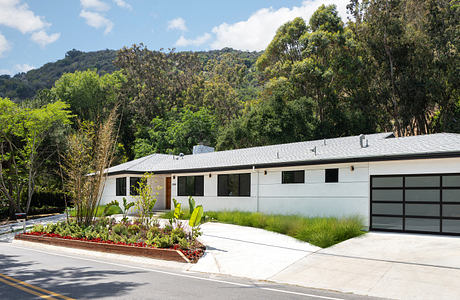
{"points": [[404, 184]]}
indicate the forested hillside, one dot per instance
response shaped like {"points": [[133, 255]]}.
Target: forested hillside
{"points": [[25, 85], [393, 67]]}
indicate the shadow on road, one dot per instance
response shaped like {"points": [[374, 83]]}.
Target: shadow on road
{"points": [[76, 282]]}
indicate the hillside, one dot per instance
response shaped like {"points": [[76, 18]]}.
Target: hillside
{"points": [[25, 85]]}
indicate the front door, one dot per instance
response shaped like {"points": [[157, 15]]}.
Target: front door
{"points": [[168, 192]]}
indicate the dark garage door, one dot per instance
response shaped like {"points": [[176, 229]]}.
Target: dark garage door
{"points": [[416, 203]]}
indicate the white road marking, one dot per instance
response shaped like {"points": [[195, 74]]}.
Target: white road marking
{"points": [[183, 275]]}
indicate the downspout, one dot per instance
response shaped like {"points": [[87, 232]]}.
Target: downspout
{"points": [[257, 189]]}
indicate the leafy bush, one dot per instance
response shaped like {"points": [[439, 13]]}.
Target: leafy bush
{"points": [[124, 232], [322, 232]]}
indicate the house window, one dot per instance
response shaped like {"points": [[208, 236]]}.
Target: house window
{"points": [[190, 186], [121, 186], [293, 177], [134, 185], [332, 175], [234, 185]]}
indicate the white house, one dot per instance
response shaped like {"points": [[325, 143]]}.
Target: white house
{"points": [[407, 184]]}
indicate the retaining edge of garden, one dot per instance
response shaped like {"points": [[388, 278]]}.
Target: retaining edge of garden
{"points": [[157, 253]]}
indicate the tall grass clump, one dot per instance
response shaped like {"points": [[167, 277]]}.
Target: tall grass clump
{"points": [[319, 231], [90, 151]]}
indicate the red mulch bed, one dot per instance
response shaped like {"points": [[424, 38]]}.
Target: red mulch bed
{"points": [[137, 249]]}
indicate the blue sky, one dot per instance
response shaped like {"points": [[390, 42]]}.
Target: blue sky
{"points": [[35, 32]]}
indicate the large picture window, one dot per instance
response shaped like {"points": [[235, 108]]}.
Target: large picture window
{"points": [[121, 186], [234, 185], [134, 185], [293, 177], [190, 186]]}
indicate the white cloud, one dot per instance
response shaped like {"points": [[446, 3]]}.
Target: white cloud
{"points": [[94, 5], [122, 4], [255, 33], [18, 16], [19, 68], [43, 39], [97, 20], [4, 44], [23, 67], [183, 42], [5, 72], [177, 23]]}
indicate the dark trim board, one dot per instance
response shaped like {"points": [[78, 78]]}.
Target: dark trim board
{"points": [[454, 154], [404, 215]]}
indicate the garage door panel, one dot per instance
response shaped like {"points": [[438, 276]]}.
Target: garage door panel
{"points": [[419, 224], [416, 203], [387, 209], [451, 210], [451, 181], [431, 210], [423, 181], [451, 195], [388, 223], [422, 195], [388, 181], [387, 195], [451, 226]]}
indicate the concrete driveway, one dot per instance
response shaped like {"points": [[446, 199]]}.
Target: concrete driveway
{"points": [[399, 266]]}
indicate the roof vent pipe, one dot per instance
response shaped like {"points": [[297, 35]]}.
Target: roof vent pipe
{"points": [[362, 138]]}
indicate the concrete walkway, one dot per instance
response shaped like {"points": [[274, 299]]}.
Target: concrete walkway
{"points": [[7, 232], [248, 252]]}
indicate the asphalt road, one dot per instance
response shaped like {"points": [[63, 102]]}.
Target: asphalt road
{"points": [[27, 273]]}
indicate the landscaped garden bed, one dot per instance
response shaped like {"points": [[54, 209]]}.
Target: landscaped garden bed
{"points": [[171, 242], [319, 231]]}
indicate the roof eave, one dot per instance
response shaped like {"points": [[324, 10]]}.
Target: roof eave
{"points": [[301, 163]]}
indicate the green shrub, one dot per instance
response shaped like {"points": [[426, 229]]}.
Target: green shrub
{"points": [[163, 241], [322, 232], [133, 229], [38, 228]]}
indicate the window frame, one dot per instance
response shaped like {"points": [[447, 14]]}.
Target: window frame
{"points": [[327, 179], [221, 177], [119, 186], [194, 184], [293, 172], [132, 183]]}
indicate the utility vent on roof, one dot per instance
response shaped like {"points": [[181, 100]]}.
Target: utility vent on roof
{"points": [[364, 143], [198, 149]]}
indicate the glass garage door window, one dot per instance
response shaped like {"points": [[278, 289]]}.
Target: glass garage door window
{"points": [[416, 203]]}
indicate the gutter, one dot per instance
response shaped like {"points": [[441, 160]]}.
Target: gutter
{"points": [[302, 163]]}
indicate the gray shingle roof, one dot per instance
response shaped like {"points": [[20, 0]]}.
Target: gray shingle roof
{"points": [[381, 145]]}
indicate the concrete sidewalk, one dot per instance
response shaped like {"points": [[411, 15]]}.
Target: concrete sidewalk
{"points": [[7, 232]]}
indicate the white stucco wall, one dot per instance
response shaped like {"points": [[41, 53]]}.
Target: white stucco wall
{"points": [[157, 182], [313, 198], [349, 196]]}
